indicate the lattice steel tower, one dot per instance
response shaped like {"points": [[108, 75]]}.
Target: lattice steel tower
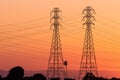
{"points": [[55, 63], [88, 61]]}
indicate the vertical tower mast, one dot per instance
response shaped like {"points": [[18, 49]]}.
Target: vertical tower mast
{"points": [[55, 63], [88, 61]]}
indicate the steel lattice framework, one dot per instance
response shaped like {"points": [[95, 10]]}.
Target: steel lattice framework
{"points": [[88, 61], [55, 63]]}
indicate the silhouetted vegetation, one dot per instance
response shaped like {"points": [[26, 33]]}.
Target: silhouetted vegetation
{"points": [[55, 79], [69, 79], [17, 73], [90, 76]]}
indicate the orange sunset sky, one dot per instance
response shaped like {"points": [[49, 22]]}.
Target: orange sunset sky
{"points": [[25, 34]]}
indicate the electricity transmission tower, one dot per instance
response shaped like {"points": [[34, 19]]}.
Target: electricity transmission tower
{"points": [[88, 61], [55, 62]]}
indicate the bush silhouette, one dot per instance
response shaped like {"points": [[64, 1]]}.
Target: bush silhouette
{"points": [[39, 77], [16, 73]]}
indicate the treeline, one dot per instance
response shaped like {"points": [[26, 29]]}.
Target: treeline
{"points": [[17, 73], [90, 76]]}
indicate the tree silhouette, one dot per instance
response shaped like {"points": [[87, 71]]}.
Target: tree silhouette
{"points": [[16, 73], [39, 77]]}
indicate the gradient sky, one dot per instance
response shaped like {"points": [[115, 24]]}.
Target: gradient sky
{"points": [[25, 35]]}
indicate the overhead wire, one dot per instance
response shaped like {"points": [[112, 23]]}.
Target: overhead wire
{"points": [[66, 31]]}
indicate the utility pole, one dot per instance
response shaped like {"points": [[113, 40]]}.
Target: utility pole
{"points": [[88, 60], [55, 62]]}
